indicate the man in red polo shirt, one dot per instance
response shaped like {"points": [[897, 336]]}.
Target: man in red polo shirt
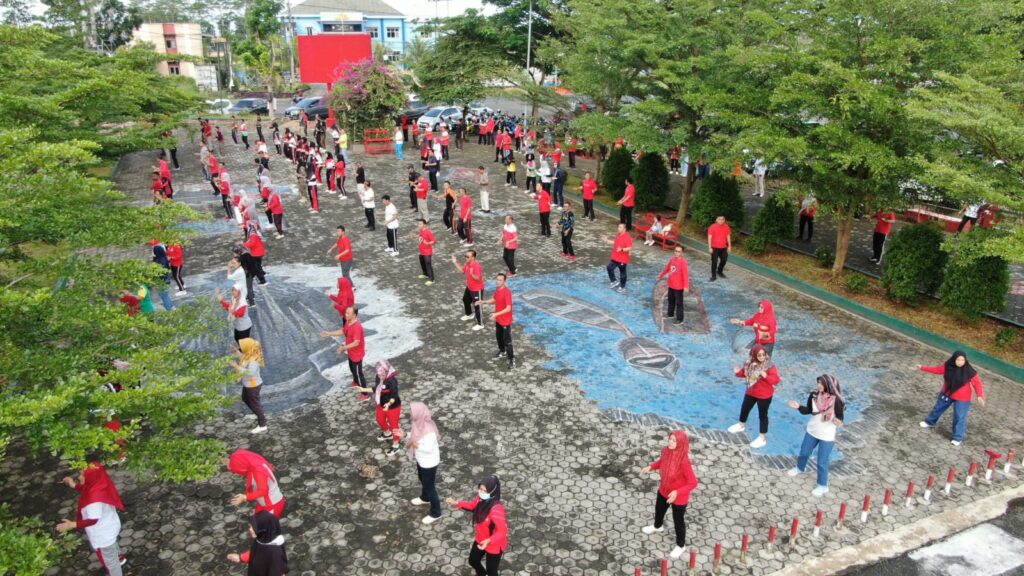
{"points": [[719, 246], [883, 225], [621, 247], [678, 274], [354, 346], [589, 188], [344, 257], [502, 317], [426, 247], [544, 209], [626, 205], [474, 287]]}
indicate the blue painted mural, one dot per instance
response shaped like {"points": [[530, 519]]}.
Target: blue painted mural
{"points": [[610, 343]]}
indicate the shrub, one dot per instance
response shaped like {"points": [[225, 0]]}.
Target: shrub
{"points": [[975, 282], [774, 222], [857, 283], [755, 245], [651, 177], [615, 171], [1005, 337], [825, 257], [914, 263], [368, 95], [717, 196]]}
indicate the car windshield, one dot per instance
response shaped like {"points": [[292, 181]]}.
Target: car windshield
{"points": [[308, 102], [434, 112], [245, 103]]}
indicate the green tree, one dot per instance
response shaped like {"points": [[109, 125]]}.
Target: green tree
{"points": [[774, 222], [259, 50], [651, 177], [618, 167], [369, 95], [115, 24], [16, 12], [452, 71], [718, 196], [975, 282]]}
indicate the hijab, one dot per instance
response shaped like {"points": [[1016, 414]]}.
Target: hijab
{"points": [[384, 370], [753, 368], [251, 350], [826, 400], [345, 294], [267, 556], [674, 462], [97, 487], [245, 463], [767, 316], [422, 424], [956, 376], [483, 507]]}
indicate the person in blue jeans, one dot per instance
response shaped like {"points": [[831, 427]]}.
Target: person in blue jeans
{"points": [[825, 405], [959, 382]]}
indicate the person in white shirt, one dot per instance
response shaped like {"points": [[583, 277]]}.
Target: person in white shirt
{"points": [[391, 224], [366, 197], [760, 169], [98, 503], [825, 405], [969, 212], [399, 142], [424, 449], [545, 173]]}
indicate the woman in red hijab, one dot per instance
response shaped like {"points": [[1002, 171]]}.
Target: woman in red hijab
{"points": [[344, 298], [98, 503], [260, 482], [677, 481], [764, 324]]}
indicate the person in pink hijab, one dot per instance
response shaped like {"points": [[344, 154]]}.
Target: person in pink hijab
{"points": [[676, 483], [424, 449], [98, 503]]}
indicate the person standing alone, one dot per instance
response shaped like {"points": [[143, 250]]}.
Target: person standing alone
{"points": [[621, 247], [391, 224], [567, 225], [626, 205], [884, 220], [678, 274], [674, 488], [426, 246], [719, 246]]}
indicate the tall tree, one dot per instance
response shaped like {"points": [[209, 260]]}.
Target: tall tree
{"points": [[16, 12], [259, 50], [115, 24]]}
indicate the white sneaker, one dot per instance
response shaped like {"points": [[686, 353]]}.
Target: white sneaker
{"points": [[758, 442], [794, 471], [924, 424], [677, 553], [422, 277], [652, 529], [181, 293], [428, 519], [481, 327], [468, 244], [819, 491], [258, 430], [614, 284], [394, 252], [737, 428], [417, 502], [468, 317], [388, 250], [955, 442]]}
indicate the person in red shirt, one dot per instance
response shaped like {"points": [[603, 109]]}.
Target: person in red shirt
{"points": [[260, 482], [621, 247], [489, 131], [761, 377], [422, 190], [491, 529], [165, 174], [344, 256], [256, 248], [509, 242], [354, 346], [224, 184], [626, 205], [214, 172], [465, 225], [678, 274], [808, 206], [544, 209], [157, 188], [588, 188], [426, 246], [474, 287], [131, 302], [556, 155], [176, 257], [275, 213], [502, 317], [883, 226], [719, 246], [674, 487], [764, 324], [344, 298], [959, 379], [573, 144]]}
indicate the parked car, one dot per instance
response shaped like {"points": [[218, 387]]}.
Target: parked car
{"points": [[313, 105], [413, 110], [478, 109], [250, 106], [431, 119], [218, 106]]}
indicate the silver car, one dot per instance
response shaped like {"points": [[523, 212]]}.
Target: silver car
{"points": [[432, 119]]}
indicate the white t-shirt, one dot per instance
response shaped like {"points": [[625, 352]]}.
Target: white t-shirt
{"points": [[428, 453], [391, 212], [972, 210], [107, 527], [821, 430], [367, 197], [398, 137], [760, 168]]}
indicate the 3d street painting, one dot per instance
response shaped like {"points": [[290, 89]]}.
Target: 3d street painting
{"points": [[623, 360]]}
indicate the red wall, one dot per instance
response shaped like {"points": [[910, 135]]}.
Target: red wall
{"points": [[325, 57]]}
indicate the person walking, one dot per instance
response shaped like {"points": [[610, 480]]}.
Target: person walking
{"points": [[719, 246], [959, 381], [558, 185], [626, 205], [426, 247], [275, 213], [260, 482], [266, 555], [238, 311], [465, 226], [502, 317], [622, 244], [678, 274], [354, 346], [588, 189], [509, 241], [544, 210], [808, 206], [160, 257], [883, 225], [98, 503], [243, 131], [424, 449], [391, 224], [491, 530], [344, 256], [176, 259], [675, 484], [388, 404], [765, 325], [474, 291], [399, 142], [366, 197], [567, 225], [761, 377], [825, 405], [250, 359]]}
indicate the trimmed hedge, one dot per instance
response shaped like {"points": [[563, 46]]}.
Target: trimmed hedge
{"points": [[717, 196], [615, 171], [651, 178], [975, 283], [774, 221], [914, 263]]}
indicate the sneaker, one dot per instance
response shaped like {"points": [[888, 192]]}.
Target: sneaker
{"points": [[395, 449], [258, 430], [794, 471], [956, 442], [394, 252], [180, 293], [429, 283], [713, 279], [677, 552], [278, 236], [364, 397], [924, 424], [422, 276], [122, 560], [388, 250], [758, 442], [428, 519], [316, 211], [468, 317], [565, 255], [500, 354], [652, 529], [678, 323], [873, 260], [737, 428], [572, 258], [819, 491], [621, 289], [417, 502], [613, 284], [468, 244], [721, 274], [667, 316], [478, 327], [512, 363], [384, 436]]}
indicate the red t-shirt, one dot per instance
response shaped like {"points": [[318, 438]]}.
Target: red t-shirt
{"points": [[165, 169], [719, 234], [274, 204], [556, 156], [214, 166], [543, 201], [678, 274], [426, 236], [629, 196], [255, 246], [344, 244], [883, 227], [764, 387], [622, 240], [465, 208], [503, 299], [175, 254], [509, 239], [353, 332], [506, 142], [422, 186], [469, 270], [225, 188], [589, 188]]}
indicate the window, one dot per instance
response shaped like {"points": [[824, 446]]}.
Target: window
{"points": [[170, 42], [373, 31], [392, 32], [309, 31], [174, 68], [425, 32]]}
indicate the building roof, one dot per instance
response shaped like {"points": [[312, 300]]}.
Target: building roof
{"points": [[374, 7]]}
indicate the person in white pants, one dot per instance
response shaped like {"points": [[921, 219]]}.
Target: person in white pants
{"points": [[760, 169], [98, 503], [485, 196]]}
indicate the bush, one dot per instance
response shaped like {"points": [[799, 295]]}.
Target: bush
{"points": [[774, 222], [368, 95], [975, 282], [857, 283], [615, 171], [755, 245], [651, 178], [825, 257], [915, 263], [1005, 337], [717, 196]]}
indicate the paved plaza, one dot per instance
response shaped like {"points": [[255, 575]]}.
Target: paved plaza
{"points": [[568, 430]]}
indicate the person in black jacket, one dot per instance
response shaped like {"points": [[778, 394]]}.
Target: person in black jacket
{"points": [[389, 405], [825, 405], [266, 555]]}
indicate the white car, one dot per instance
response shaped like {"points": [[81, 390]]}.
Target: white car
{"points": [[219, 106], [433, 118], [478, 109]]}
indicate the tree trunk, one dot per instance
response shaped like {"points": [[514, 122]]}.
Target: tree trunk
{"points": [[534, 104], [844, 229], [684, 198], [600, 164]]}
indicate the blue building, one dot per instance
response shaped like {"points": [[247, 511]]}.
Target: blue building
{"points": [[386, 26]]}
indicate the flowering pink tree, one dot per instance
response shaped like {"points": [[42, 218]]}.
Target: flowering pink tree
{"points": [[368, 95]]}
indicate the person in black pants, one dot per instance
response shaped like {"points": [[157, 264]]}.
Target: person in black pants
{"points": [[433, 166], [761, 377], [489, 523], [674, 488], [567, 222], [413, 177]]}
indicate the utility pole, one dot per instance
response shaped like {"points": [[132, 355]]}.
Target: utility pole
{"points": [[529, 44], [288, 38]]}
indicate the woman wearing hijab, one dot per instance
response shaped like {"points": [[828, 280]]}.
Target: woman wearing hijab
{"points": [[250, 359], [389, 405], [761, 377], [676, 483], [344, 298], [825, 404], [426, 452], [98, 503], [491, 537], [260, 482], [764, 324], [238, 311], [266, 556], [959, 378]]}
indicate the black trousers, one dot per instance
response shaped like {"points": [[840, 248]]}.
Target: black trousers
{"points": [[621, 266], [432, 174], [229, 209], [806, 221], [588, 209], [545, 223], [446, 217], [510, 178], [678, 517], [567, 242], [393, 238], [371, 220], [531, 184], [428, 489], [719, 256], [245, 140], [251, 397], [504, 336], [626, 217], [412, 197], [176, 274], [278, 222], [675, 304], [762, 411], [174, 158], [356, 368], [877, 243], [509, 256], [468, 299], [965, 220], [427, 266], [572, 159], [242, 334], [485, 564], [465, 230]]}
